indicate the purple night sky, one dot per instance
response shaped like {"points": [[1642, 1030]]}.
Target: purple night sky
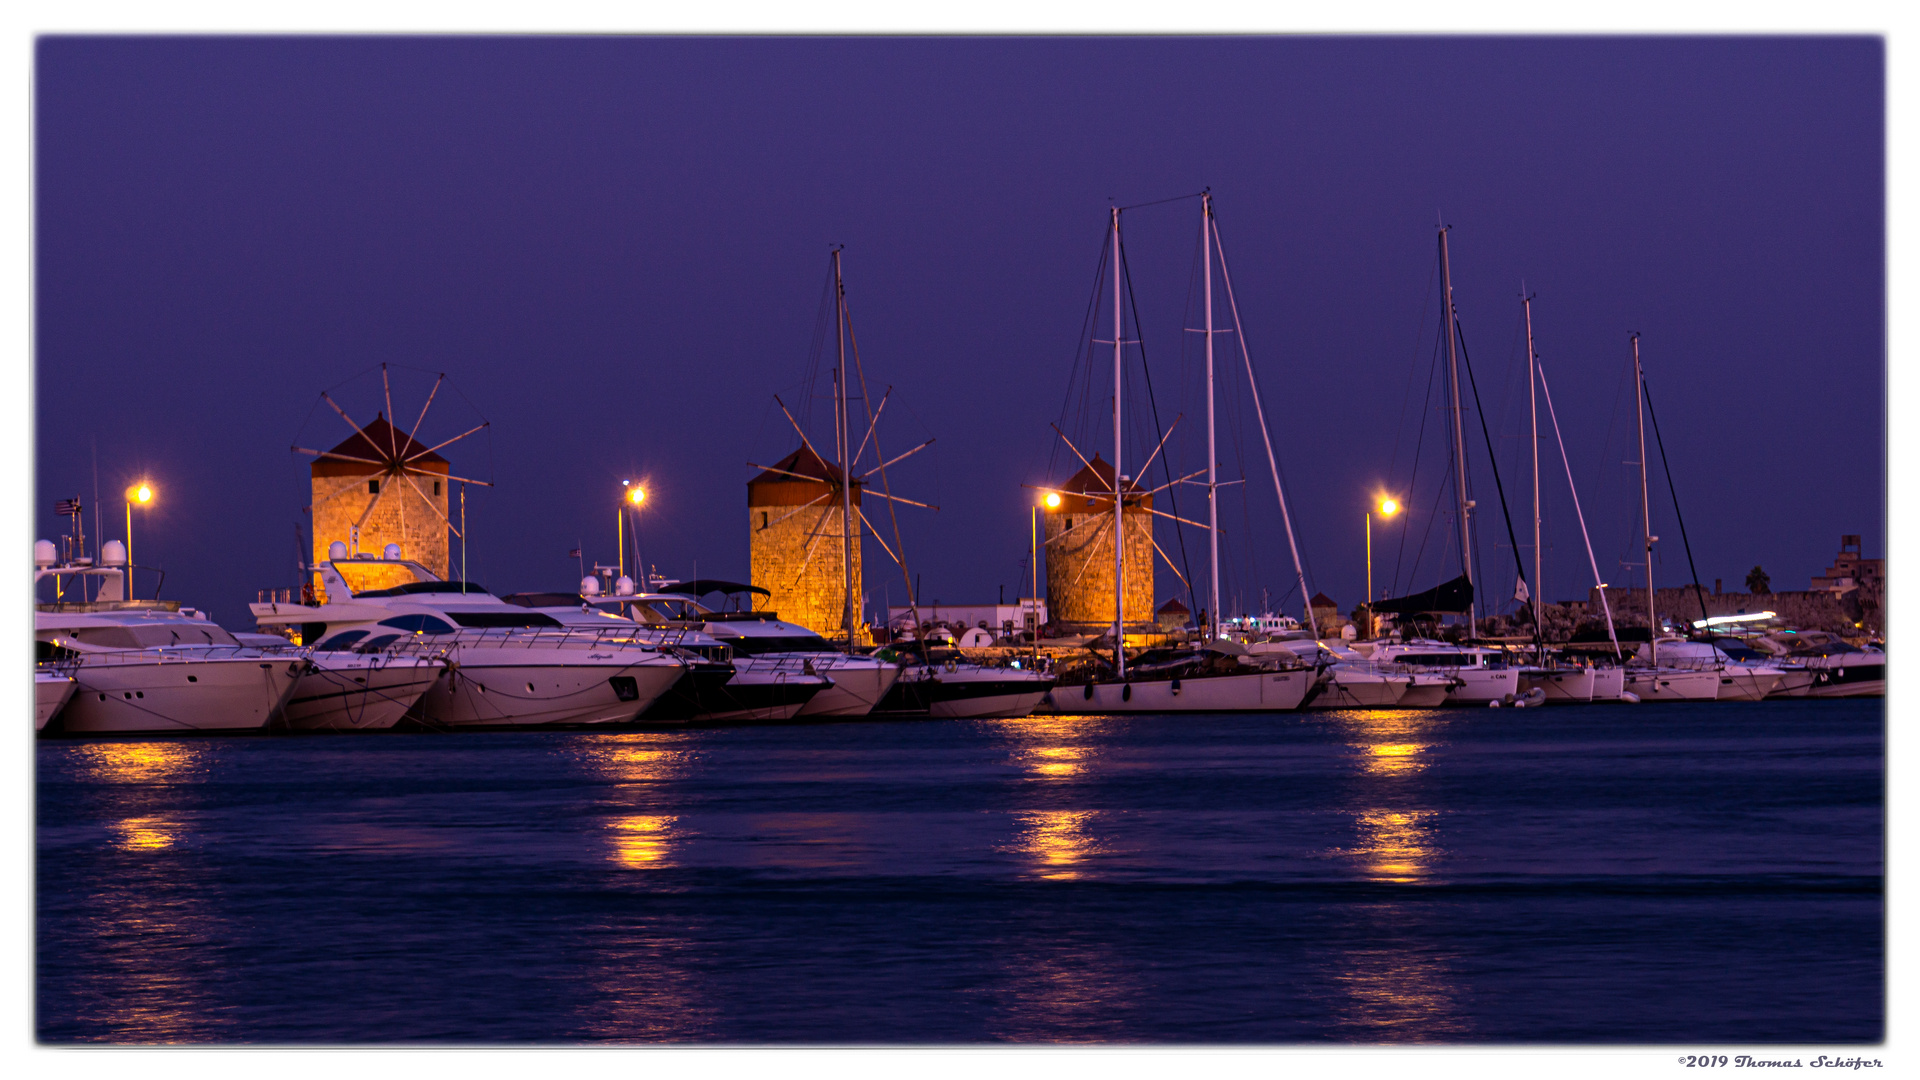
{"points": [[616, 247]]}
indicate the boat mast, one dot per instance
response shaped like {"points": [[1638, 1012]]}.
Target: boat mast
{"points": [[1266, 437], [1533, 413], [840, 434], [1119, 523], [1646, 509], [1213, 487], [1605, 607], [1459, 436]]}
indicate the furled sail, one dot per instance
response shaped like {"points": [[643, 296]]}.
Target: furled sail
{"points": [[1450, 597]]}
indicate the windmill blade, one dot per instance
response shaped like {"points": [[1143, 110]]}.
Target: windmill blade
{"points": [[872, 422], [898, 499], [455, 439], [1077, 453], [386, 387], [896, 460], [795, 475], [1181, 520], [338, 457], [435, 509], [435, 474], [1179, 480], [355, 486], [876, 536], [797, 509], [1169, 562], [1163, 443], [343, 415], [423, 409], [804, 441]]}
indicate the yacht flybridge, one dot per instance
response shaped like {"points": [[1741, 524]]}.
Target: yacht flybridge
{"points": [[503, 665]]}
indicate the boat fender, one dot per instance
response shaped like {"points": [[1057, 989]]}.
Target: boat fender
{"points": [[1507, 701], [1175, 687], [1126, 692], [1087, 692], [1629, 697], [1493, 704]]}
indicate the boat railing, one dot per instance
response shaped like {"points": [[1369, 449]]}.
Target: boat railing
{"points": [[568, 637]]}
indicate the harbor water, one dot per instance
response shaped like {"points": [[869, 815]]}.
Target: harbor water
{"points": [[1680, 873]]}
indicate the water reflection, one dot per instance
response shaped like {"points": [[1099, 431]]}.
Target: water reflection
{"points": [[1395, 845], [633, 757], [1056, 842], [150, 833], [1398, 989], [1063, 988], [143, 762], [642, 841]]}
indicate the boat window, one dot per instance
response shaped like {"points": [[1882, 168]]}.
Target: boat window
{"points": [[1437, 659], [415, 588], [418, 624], [153, 636], [378, 643], [342, 641], [493, 620]]}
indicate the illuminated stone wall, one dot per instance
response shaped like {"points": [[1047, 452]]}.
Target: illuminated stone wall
{"points": [[403, 517], [808, 591], [1079, 557]]}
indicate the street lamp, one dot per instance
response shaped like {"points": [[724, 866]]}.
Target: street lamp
{"points": [[141, 493], [1388, 507], [635, 495], [1052, 502]]}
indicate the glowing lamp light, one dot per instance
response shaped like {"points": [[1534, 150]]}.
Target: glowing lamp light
{"points": [[637, 495], [1389, 507], [1052, 500], [140, 493]]}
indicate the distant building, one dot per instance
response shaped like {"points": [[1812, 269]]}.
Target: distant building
{"points": [[796, 533], [1079, 553], [1849, 571], [1173, 615], [1326, 614]]}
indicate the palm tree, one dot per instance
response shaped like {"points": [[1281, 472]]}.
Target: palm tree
{"points": [[1758, 581]]}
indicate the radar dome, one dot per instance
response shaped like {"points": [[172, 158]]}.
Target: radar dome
{"points": [[589, 586], [623, 587], [391, 551], [113, 553], [337, 551], [45, 554]]}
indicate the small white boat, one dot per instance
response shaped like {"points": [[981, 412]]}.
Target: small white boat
{"points": [[1353, 681], [1478, 678]]}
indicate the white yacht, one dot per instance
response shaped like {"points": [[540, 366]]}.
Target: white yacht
{"points": [[1841, 670], [1749, 678], [346, 689], [715, 689], [503, 665], [765, 646], [151, 666], [1480, 674]]}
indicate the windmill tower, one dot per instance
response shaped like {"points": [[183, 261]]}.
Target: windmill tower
{"points": [[1079, 547], [797, 531], [382, 486]]}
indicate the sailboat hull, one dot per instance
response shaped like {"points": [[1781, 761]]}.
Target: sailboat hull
{"points": [[1667, 684], [1268, 691], [1563, 686]]}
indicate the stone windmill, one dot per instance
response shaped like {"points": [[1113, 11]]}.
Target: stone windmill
{"points": [[381, 486]]}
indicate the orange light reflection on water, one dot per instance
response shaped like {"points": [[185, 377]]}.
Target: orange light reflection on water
{"points": [[643, 841], [1057, 841], [143, 762]]}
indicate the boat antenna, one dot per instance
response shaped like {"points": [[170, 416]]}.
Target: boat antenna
{"points": [[1119, 522], [841, 437], [1533, 417], [1213, 481]]}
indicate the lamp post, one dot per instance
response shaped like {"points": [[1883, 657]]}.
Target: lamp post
{"points": [[1388, 508], [1052, 502], [141, 493], [635, 495]]}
